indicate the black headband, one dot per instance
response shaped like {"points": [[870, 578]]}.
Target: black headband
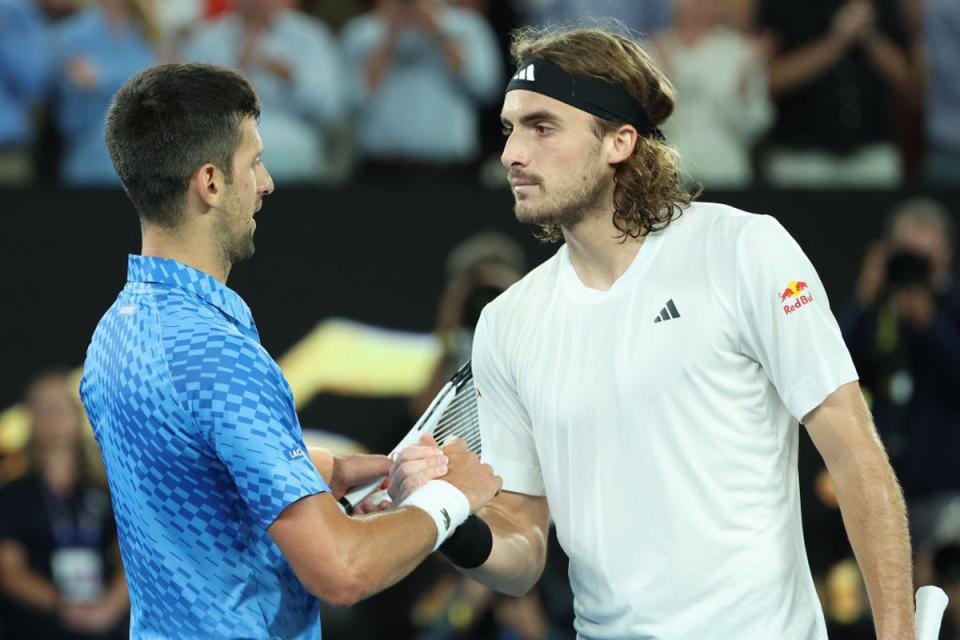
{"points": [[599, 97]]}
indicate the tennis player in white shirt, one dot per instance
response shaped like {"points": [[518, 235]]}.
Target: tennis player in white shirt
{"points": [[644, 386]]}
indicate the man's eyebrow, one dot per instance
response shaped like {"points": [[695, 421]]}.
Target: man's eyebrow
{"points": [[529, 118], [536, 116]]}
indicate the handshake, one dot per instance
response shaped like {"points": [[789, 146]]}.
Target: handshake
{"points": [[411, 469]]}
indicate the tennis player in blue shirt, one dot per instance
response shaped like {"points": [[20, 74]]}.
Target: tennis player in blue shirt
{"points": [[227, 528]]}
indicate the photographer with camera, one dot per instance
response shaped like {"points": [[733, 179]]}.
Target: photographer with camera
{"points": [[903, 331]]}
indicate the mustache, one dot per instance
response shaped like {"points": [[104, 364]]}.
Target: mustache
{"points": [[521, 175]]}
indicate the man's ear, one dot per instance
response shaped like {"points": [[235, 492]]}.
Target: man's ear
{"points": [[207, 184], [621, 143]]}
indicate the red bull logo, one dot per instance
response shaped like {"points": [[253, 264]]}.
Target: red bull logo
{"points": [[795, 296]]}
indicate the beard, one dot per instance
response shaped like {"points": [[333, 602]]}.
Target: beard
{"points": [[234, 235], [240, 248], [569, 207]]}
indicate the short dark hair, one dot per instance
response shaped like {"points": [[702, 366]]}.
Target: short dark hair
{"points": [[169, 120]]}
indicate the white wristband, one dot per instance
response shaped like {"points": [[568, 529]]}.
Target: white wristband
{"points": [[444, 503]]}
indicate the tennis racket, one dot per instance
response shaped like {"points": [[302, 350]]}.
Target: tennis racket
{"points": [[931, 602], [451, 414]]}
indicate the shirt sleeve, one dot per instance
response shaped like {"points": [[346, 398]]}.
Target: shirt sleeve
{"points": [[245, 412], [786, 322], [505, 429]]}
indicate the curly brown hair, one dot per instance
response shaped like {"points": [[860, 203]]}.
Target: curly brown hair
{"points": [[649, 192]]}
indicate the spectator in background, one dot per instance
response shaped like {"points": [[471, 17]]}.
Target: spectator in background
{"points": [[59, 561], [646, 17], [419, 71], [833, 74], [942, 41], [903, 331], [96, 51], [23, 59], [292, 61], [176, 20], [723, 105]]}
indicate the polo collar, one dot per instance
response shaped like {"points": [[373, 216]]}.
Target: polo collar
{"points": [[176, 274]]}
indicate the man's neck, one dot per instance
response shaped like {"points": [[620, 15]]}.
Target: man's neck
{"points": [[59, 469], [186, 248], [598, 252]]}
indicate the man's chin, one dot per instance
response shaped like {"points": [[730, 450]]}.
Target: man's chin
{"points": [[530, 215], [244, 253], [525, 213]]}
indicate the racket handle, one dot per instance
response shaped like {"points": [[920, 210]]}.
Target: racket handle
{"points": [[350, 501], [931, 602]]}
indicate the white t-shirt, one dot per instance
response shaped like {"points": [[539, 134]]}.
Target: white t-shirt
{"points": [[660, 419]]}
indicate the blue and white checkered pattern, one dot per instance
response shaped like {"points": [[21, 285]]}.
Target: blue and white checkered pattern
{"points": [[203, 450]]}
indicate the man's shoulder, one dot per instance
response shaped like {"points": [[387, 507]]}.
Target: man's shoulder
{"points": [[189, 329], [717, 223]]}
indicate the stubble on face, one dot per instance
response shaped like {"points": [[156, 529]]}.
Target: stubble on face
{"points": [[234, 231], [564, 205]]}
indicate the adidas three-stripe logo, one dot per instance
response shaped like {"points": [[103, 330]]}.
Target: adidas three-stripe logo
{"points": [[669, 312], [524, 74]]}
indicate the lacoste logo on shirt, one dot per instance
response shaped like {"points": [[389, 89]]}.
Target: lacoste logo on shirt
{"points": [[446, 519], [669, 312], [524, 74]]}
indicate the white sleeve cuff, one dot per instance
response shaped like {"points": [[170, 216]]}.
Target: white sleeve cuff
{"points": [[810, 392], [518, 478]]}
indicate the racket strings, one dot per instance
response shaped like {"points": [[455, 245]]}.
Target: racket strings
{"points": [[461, 418]]}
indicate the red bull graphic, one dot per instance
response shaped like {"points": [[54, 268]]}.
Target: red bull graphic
{"points": [[795, 296]]}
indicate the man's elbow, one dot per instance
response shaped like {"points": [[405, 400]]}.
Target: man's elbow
{"points": [[341, 589]]}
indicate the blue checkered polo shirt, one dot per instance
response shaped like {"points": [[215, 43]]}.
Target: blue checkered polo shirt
{"points": [[203, 450]]}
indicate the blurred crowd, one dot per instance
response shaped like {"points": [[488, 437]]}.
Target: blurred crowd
{"points": [[849, 93]]}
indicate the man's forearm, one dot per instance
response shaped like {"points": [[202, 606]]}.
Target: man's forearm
{"points": [[323, 461], [517, 558], [798, 68], [875, 518], [891, 62], [29, 588]]}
